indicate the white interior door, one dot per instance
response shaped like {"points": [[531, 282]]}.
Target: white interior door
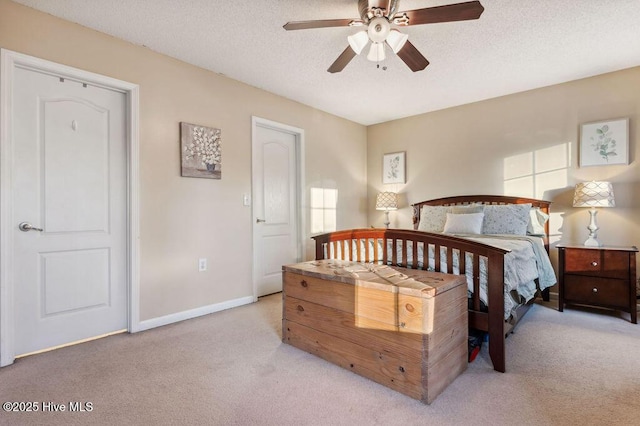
{"points": [[275, 203], [69, 184]]}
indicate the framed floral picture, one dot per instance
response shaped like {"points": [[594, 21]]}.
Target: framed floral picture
{"points": [[393, 167], [604, 143], [201, 149]]}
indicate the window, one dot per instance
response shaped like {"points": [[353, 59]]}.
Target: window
{"points": [[324, 202]]}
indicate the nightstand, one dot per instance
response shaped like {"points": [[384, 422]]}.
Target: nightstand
{"points": [[603, 277]]}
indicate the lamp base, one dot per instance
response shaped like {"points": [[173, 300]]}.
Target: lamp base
{"points": [[592, 241], [386, 219]]}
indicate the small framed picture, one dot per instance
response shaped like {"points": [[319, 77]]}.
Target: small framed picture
{"points": [[393, 167], [604, 143], [201, 149]]}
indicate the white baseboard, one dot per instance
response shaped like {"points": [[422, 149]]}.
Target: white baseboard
{"points": [[192, 313]]}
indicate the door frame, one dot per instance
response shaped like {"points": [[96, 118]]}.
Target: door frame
{"points": [[300, 173], [9, 61]]}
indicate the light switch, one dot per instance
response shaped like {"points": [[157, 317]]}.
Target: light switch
{"points": [[202, 265], [246, 200]]}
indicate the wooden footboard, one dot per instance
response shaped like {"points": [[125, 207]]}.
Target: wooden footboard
{"points": [[382, 246]]}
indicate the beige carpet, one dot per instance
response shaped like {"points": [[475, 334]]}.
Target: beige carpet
{"points": [[576, 367]]}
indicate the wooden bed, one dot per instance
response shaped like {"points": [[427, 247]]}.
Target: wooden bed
{"points": [[355, 245]]}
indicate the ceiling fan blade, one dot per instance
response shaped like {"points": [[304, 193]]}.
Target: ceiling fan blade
{"points": [[342, 61], [412, 57], [452, 12], [325, 23]]}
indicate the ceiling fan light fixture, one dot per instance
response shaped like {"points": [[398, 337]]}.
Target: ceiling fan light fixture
{"points": [[376, 53], [379, 29], [377, 18], [396, 40], [358, 41]]}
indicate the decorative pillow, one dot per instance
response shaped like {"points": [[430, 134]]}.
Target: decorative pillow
{"points": [[467, 208], [432, 218], [470, 223], [506, 219], [537, 219]]}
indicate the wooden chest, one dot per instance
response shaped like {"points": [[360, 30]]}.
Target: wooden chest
{"points": [[403, 328]]}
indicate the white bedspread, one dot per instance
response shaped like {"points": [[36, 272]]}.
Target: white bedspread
{"points": [[526, 261]]}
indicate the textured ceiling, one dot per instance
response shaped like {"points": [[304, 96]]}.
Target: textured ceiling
{"points": [[516, 45]]}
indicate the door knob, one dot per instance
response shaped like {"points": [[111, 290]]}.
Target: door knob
{"points": [[260, 220], [26, 227]]}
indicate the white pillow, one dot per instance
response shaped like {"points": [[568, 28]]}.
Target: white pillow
{"points": [[469, 223], [537, 219], [432, 218], [467, 208], [506, 219]]}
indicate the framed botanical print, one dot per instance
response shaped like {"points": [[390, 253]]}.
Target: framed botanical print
{"points": [[393, 167], [604, 143]]}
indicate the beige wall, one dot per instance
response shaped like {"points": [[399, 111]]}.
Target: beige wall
{"points": [[473, 149], [183, 219], [460, 150]]}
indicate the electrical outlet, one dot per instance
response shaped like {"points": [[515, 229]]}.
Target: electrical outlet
{"points": [[202, 265]]}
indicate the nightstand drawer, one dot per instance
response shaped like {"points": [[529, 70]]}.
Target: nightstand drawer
{"points": [[596, 291], [597, 263]]}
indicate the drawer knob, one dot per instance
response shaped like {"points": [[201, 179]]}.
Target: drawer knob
{"points": [[595, 290], [304, 284], [594, 263], [300, 308]]}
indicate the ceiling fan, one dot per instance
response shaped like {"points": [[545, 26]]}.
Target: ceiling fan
{"points": [[378, 18]]}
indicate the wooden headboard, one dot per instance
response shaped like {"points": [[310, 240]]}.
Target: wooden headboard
{"points": [[483, 199]]}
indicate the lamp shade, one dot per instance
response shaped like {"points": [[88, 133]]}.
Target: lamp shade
{"points": [[387, 201], [396, 40], [376, 52], [594, 194], [358, 41], [379, 29]]}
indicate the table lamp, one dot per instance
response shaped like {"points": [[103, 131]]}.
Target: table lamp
{"points": [[593, 194], [387, 201]]}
